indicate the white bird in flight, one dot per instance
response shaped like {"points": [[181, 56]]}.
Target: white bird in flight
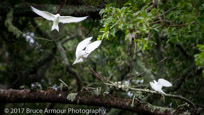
{"points": [[157, 86], [84, 48], [57, 18]]}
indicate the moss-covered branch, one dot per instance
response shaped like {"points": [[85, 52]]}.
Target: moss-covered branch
{"points": [[124, 87], [82, 98], [10, 26]]}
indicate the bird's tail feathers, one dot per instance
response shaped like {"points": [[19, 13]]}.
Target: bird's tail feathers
{"points": [[55, 26], [77, 61]]}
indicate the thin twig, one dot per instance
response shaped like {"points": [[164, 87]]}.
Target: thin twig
{"points": [[179, 25], [60, 7], [182, 98], [98, 75], [63, 83], [166, 12], [69, 38], [40, 38], [147, 90], [154, 92], [149, 34]]}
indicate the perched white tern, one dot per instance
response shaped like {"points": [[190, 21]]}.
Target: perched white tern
{"points": [[57, 18], [157, 86], [84, 48]]}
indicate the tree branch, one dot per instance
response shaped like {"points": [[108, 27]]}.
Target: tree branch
{"points": [[24, 10], [83, 98], [66, 62], [154, 92], [126, 87]]}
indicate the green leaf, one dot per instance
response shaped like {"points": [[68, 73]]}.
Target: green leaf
{"points": [[71, 96]]}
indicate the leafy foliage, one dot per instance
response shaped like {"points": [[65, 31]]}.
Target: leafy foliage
{"points": [[161, 30], [143, 40], [131, 19], [199, 58]]}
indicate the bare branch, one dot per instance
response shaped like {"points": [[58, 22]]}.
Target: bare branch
{"points": [[66, 63]]}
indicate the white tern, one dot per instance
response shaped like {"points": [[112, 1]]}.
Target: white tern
{"points": [[57, 18], [84, 48], [157, 86]]}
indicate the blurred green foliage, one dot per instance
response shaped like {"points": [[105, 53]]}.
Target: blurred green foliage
{"points": [[199, 58], [142, 40]]}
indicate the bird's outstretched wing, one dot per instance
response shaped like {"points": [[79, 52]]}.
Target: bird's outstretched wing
{"points": [[83, 44], [71, 19], [164, 82], [44, 14], [92, 46]]}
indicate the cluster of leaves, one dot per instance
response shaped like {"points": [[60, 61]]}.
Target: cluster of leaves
{"points": [[132, 19], [174, 21], [199, 58], [160, 29]]}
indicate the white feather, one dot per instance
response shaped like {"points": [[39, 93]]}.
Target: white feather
{"points": [[44, 14], [57, 18], [92, 46], [83, 44], [84, 48], [55, 26], [164, 83], [71, 19], [157, 86], [78, 61]]}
